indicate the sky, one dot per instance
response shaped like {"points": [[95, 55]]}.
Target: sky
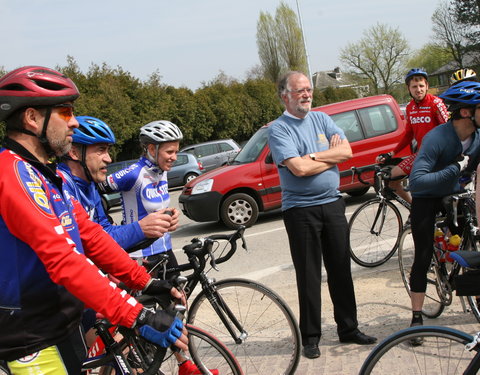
{"points": [[189, 42]]}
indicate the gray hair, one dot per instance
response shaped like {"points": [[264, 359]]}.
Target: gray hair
{"points": [[282, 85]]}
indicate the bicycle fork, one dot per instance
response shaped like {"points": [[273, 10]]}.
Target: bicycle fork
{"points": [[379, 216], [226, 315]]}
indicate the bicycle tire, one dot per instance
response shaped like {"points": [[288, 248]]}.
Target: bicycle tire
{"points": [[432, 306], [443, 351], [372, 246], [210, 353], [469, 244], [271, 337]]}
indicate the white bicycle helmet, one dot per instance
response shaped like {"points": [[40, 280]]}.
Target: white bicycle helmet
{"points": [[160, 131]]}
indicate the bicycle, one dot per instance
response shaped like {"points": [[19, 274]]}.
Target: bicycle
{"points": [[252, 320], [377, 225], [119, 350], [441, 274], [444, 350]]}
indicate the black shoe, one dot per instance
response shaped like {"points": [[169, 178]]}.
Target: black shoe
{"points": [[311, 351], [359, 338], [416, 341]]}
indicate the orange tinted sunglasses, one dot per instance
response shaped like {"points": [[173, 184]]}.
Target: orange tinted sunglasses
{"points": [[65, 111]]}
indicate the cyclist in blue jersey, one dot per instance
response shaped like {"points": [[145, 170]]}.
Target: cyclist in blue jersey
{"points": [[85, 166], [144, 185]]}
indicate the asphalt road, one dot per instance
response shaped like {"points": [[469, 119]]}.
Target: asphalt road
{"points": [[383, 304]]}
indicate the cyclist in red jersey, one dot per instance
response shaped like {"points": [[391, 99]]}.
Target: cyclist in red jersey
{"points": [[51, 252], [424, 112]]}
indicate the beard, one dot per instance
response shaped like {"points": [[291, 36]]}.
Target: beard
{"points": [[304, 109], [60, 147]]}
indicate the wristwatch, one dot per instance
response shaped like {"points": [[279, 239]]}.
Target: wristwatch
{"points": [[312, 156]]}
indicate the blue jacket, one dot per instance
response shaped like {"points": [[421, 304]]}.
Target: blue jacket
{"points": [[435, 173], [87, 194]]}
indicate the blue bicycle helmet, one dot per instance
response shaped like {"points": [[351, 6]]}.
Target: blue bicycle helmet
{"points": [[415, 72], [462, 95], [91, 130]]}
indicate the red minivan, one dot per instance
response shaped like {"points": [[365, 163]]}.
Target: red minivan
{"points": [[236, 193]]}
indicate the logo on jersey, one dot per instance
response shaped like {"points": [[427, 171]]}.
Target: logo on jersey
{"points": [[155, 191], [28, 358], [34, 187], [66, 221], [420, 120]]}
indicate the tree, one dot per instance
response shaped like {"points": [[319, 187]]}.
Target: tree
{"points": [[467, 13], [280, 43], [378, 57], [267, 44], [290, 39], [449, 33]]}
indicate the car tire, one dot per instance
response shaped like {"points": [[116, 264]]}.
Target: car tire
{"points": [[189, 177], [239, 209], [358, 192]]}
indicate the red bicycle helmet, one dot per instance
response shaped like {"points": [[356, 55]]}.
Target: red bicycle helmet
{"points": [[34, 86]]}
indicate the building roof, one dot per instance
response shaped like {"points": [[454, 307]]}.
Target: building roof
{"points": [[469, 60]]}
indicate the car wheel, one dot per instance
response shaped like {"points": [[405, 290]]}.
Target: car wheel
{"points": [[358, 192], [189, 177], [239, 209], [105, 205]]}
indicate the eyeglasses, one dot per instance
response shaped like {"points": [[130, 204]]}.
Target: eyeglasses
{"points": [[308, 90], [65, 111]]}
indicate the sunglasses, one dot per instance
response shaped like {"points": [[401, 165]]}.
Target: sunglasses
{"points": [[65, 111]]}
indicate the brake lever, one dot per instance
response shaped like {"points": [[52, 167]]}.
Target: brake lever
{"points": [[455, 210], [212, 257]]}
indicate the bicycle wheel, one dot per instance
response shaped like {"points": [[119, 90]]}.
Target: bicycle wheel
{"points": [[375, 229], [210, 353], [442, 352], [432, 306], [269, 336]]}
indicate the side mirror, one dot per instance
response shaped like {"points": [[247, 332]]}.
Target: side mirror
{"points": [[269, 158]]}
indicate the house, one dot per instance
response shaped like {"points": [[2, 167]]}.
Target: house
{"points": [[442, 74], [336, 79]]}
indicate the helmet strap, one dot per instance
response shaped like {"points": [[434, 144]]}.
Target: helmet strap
{"points": [[43, 135]]}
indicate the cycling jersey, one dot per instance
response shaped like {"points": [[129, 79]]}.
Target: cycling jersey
{"points": [[421, 118], [46, 237], [144, 189], [87, 194]]}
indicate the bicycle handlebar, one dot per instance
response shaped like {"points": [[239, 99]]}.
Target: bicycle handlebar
{"points": [[201, 248]]}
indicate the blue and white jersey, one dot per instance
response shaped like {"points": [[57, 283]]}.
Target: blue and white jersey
{"points": [[144, 189]]}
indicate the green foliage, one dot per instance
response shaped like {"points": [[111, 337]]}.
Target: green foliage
{"points": [[280, 43], [378, 57], [430, 57], [467, 13]]}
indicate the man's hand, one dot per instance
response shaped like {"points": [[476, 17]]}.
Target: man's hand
{"points": [[175, 214], [159, 287], [382, 158], [162, 328], [335, 141], [156, 224], [462, 162]]}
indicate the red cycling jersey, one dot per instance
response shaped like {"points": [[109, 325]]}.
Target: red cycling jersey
{"points": [[421, 118]]}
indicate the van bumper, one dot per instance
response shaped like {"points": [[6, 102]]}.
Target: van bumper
{"points": [[201, 207]]}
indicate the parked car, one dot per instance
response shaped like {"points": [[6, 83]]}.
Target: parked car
{"points": [[214, 154], [185, 169], [236, 193]]}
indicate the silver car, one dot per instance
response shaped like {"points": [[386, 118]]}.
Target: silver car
{"points": [[214, 154]]}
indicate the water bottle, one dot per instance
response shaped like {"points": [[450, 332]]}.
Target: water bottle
{"points": [[440, 245], [453, 245]]}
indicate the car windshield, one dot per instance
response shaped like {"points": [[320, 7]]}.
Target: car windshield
{"points": [[252, 149]]}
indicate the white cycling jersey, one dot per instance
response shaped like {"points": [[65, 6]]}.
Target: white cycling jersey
{"points": [[144, 189]]}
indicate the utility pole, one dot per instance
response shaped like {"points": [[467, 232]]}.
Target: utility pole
{"points": [[304, 42]]}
